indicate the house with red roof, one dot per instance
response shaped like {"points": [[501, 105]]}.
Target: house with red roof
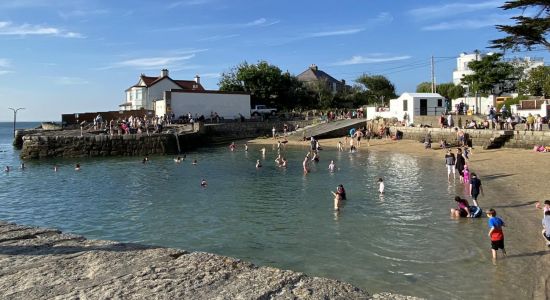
{"points": [[149, 89]]}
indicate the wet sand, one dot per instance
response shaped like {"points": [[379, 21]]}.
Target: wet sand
{"points": [[513, 180]]}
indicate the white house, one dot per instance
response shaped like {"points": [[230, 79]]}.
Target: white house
{"points": [[148, 89], [228, 105], [410, 105]]}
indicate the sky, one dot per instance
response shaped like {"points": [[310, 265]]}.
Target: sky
{"points": [[68, 56]]}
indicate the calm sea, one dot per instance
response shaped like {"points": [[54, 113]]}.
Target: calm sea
{"points": [[402, 242]]}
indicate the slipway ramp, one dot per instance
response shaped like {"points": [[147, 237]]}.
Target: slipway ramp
{"points": [[328, 130]]}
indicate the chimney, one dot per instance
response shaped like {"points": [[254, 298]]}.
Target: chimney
{"points": [[197, 79], [314, 67], [343, 82], [164, 73]]}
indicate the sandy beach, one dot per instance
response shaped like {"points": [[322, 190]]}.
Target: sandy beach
{"points": [[513, 181]]}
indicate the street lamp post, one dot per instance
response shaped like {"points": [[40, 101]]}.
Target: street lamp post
{"points": [[15, 110]]}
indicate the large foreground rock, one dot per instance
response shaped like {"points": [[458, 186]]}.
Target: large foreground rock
{"points": [[38, 263]]}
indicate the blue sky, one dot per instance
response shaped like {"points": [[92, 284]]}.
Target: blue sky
{"points": [[66, 56]]}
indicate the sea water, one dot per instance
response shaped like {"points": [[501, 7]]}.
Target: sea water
{"points": [[403, 241]]}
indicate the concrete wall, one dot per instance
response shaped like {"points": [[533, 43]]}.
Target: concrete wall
{"points": [[227, 105]]}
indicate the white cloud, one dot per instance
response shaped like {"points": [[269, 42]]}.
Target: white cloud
{"points": [[477, 23], [451, 9], [261, 22], [7, 28], [4, 63], [210, 75], [175, 60], [64, 80], [334, 32], [371, 59]]}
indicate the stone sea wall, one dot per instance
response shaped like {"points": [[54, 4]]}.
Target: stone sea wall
{"points": [[480, 137], [237, 130], [528, 139], [42, 146], [41, 263]]}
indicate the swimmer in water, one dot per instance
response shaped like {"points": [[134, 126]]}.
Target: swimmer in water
{"points": [[337, 200], [278, 160], [381, 185], [263, 151], [232, 146], [332, 166], [77, 167], [245, 147], [22, 166], [340, 146], [55, 168], [258, 164], [7, 169], [194, 162], [284, 164], [177, 160], [204, 183], [305, 164], [315, 157]]}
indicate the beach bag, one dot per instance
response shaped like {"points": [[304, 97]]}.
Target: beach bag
{"points": [[475, 211]]}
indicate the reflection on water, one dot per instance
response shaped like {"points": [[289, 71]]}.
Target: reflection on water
{"points": [[402, 241]]}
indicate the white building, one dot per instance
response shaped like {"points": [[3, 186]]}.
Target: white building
{"points": [[148, 89], [228, 105], [410, 105], [462, 65], [462, 69]]}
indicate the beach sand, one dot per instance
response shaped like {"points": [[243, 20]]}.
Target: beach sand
{"points": [[513, 181]]}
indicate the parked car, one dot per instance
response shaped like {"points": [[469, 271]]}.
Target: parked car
{"points": [[259, 110]]}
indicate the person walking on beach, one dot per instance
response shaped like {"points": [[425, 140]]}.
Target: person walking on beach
{"points": [[475, 188], [459, 164], [546, 227], [495, 233], [450, 161]]}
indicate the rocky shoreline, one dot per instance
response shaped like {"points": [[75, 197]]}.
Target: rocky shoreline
{"points": [[42, 263]]}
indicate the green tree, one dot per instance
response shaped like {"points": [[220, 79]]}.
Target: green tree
{"points": [[489, 72], [537, 82], [528, 31], [377, 88], [320, 90], [424, 87], [266, 83], [448, 90]]}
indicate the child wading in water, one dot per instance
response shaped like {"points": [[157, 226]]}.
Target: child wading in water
{"points": [[495, 233]]}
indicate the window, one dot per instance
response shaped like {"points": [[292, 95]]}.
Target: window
{"points": [[439, 102], [405, 105], [139, 93]]}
